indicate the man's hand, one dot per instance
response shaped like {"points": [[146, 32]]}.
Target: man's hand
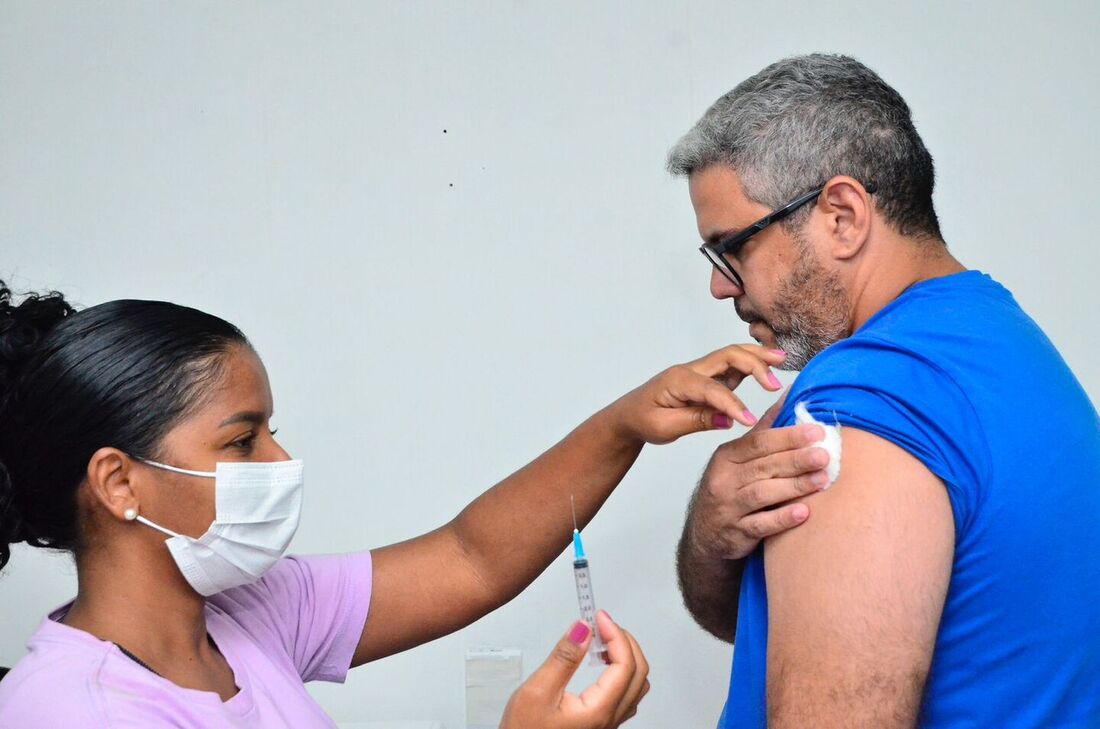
{"points": [[741, 500], [742, 497]]}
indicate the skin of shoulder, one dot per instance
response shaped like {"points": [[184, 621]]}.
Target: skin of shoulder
{"points": [[855, 594]]}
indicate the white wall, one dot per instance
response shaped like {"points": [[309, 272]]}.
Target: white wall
{"points": [[437, 307]]}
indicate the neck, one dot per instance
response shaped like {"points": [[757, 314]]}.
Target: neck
{"points": [[892, 269], [135, 596]]}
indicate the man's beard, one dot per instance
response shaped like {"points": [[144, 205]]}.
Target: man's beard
{"points": [[811, 311]]}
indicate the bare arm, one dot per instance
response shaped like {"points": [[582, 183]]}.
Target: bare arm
{"points": [[738, 502], [439, 582], [855, 595], [709, 584]]}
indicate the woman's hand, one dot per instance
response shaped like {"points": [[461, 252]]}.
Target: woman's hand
{"points": [[696, 396], [543, 703]]}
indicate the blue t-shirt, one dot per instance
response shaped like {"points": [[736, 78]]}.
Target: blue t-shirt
{"points": [[955, 373]]}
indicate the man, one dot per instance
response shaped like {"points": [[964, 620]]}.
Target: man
{"points": [[951, 574]]}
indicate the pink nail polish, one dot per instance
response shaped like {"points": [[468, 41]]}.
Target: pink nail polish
{"points": [[749, 416], [779, 352], [774, 380], [722, 421], [579, 633]]}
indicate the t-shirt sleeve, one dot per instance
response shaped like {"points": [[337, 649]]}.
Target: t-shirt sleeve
{"points": [[316, 606], [905, 398]]}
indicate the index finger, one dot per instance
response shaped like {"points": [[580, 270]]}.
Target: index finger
{"points": [[763, 443], [745, 359]]}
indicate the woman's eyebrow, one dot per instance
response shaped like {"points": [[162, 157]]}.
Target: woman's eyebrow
{"points": [[245, 416]]}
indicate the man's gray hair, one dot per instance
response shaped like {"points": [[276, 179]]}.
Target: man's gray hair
{"points": [[803, 120]]}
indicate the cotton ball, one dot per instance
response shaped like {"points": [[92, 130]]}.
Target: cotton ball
{"points": [[831, 442]]}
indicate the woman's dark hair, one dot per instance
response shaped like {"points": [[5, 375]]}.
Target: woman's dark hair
{"points": [[119, 374]]}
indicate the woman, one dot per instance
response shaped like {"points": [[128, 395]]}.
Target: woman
{"points": [[133, 426]]}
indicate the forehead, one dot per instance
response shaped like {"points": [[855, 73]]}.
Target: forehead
{"points": [[720, 203], [240, 388], [242, 385]]}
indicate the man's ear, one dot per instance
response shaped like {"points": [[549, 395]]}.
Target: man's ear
{"points": [[847, 207], [108, 482]]}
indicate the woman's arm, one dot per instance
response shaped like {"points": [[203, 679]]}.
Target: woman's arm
{"points": [[435, 584]]}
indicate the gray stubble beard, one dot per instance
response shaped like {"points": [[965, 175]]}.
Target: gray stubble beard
{"points": [[813, 311]]}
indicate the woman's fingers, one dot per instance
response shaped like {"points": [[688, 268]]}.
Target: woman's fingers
{"points": [[696, 388], [604, 696], [542, 699], [553, 675], [696, 396], [639, 683], [731, 365]]}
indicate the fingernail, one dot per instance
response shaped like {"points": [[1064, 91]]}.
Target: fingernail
{"points": [[607, 614], [820, 457], [774, 380], [779, 352], [722, 421], [820, 478], [800, 512], [579, 634], [749, 416]]}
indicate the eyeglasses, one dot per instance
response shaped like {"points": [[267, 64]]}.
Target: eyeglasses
{"points": [[718, 252]]}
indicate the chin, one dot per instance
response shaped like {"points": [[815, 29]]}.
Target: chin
{"points": [[763, 334]]}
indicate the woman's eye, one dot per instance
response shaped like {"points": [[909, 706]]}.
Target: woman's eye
{"points": [[244, 443], [249, 440]]}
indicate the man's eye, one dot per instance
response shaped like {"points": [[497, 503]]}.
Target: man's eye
{"points": [[734, 249]]}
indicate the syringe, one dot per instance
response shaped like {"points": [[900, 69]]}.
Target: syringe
{"points": [[598, 649]]}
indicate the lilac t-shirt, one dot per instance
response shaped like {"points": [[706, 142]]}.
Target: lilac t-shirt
{"points": [[300, 623]]}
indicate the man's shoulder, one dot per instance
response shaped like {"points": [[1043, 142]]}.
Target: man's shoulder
{"points": [[890, 366]]}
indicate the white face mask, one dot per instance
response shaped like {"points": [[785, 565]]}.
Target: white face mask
{"points": [[257, 509]]}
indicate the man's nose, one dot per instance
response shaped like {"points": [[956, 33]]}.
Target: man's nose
{"points": [[721, 287]]}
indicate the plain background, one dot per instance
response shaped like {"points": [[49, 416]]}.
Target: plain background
{"points": [[447, 229]]}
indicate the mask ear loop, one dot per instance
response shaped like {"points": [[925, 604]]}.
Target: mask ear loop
{"points": [[131, 514], [184, 471], [158, 527], [166, 467]]}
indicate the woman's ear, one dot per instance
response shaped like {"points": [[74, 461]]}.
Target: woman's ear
{"points": [[847, 206], [108, 482]]}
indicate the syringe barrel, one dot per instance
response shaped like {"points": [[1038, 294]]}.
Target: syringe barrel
{"points": [[587, 602]]}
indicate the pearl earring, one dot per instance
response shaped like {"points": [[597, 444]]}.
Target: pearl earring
{"points": [[130, 514]]}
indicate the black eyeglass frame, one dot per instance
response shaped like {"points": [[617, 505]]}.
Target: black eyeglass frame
{"points": [[716, 252]]}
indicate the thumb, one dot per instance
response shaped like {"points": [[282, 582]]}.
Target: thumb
{"points": [[678, 422], [553, 675]]}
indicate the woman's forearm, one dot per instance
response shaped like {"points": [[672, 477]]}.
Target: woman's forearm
{"points": [[436, 583], [513, 531]]}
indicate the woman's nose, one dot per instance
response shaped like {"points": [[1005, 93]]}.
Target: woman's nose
{"points": [[276, 452]]}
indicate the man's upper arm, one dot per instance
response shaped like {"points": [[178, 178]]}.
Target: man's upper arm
{"points": [[855, 594]]}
